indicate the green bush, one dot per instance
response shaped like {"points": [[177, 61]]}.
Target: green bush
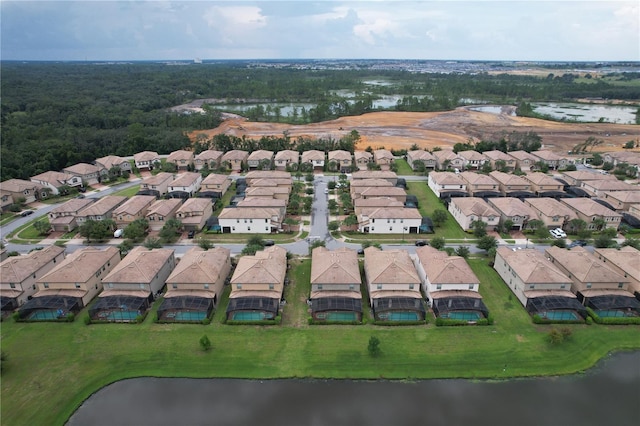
{"points": [[16, 316], [537, 319], [139, 319], [70, 317], [206, 321], [87, 320], [612, 321], [589, 320], [441, 322], [398, 323]]}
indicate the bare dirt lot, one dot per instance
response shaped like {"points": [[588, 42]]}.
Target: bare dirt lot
{"points": [[398, 130]]}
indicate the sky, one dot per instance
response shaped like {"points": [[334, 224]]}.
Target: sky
{"points": [[540, 30]]}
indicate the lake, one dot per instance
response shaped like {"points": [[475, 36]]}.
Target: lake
{"points": [[588, 112], [606, 395]]}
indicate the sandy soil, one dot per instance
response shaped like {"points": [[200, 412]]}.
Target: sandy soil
{"points": [[400, 130]]}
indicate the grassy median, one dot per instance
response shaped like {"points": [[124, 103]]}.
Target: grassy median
{"points": [[52, 367]]}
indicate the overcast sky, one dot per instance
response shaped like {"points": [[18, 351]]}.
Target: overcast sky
{"points": [[266, 29]]}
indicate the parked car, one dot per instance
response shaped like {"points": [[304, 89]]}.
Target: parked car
{"points": [[421, 243], [558, 233], [26, 213], [577, 243], [268, 243], [118, 233], [82, 189], [191, 234]]}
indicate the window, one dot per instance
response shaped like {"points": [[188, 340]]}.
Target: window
{"points": [[379, 286], [46, 285], [532, 286], [439, 287], [77, 285], [351, 287], [471, 286], [410, 286], [239, 286], [319, 286], [206, 286], [562, 285], [270, 286], [174, 285], [589, 285], [620, 285], [12, 285]]}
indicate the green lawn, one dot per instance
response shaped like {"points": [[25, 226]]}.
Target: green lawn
{"points": [[403, 168], [52, 367], [7, 218], [428, 202], [128, 192]]}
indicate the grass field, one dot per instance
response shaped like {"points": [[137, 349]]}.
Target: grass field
{"points": [[403, 168], [52, 367], [128, 192], [427, 203]]}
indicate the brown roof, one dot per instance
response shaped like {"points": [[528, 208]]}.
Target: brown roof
{"points": [[135, 204], [584, 266], [496, 155], [235, 154], [470, 155], [340, 155], [623, 196], [547, 155], [146, 156], [444, 269], [288, 155], [180, 154], [384, 191], [522, 155], [214, 179], [446, 178], [18, 268], [445, 154], [72, 206], [312, 155], [421, 155], [82, 169], [532, 266], [260, 154], [195, 205], [391, 213], [551, 207], [582, 175], [257, 191], [507, 179], [373, 174], [19, 185], [626, 258], [512, 207], [611, 185], [474, 206], [55, 179], [267, 174], [141, 265], [185, 179], [250, 202], [81, 265], [103, 205], [200, 266], [268, 266], [541, 179], [389, 267], [377, 202], [248, 213], [362, 154], [164, 207], [370, 183], [110, 161], [588, 207], [209, 154], [380, 154], [473, 178], [339, 266], [160, 178]]}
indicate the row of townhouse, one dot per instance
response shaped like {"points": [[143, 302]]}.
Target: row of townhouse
{"points": [[632, 159], [473, 160], [553, 213], [560, 284], [264, 195]]}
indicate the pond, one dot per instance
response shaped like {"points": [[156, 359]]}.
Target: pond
{"points": [[588, 112], [606, 395]]}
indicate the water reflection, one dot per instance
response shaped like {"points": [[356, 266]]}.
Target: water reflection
{"points": [[607, 395]]}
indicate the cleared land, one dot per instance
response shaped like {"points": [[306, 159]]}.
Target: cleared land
{"points": [[400, 130]]}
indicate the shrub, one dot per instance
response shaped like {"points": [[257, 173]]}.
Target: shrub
{"points": [[87, 320], [555, 336], [374, 346], [205, 343], [139, 319], [206, 321], [589, 320], [16, 316], [70, 317]]}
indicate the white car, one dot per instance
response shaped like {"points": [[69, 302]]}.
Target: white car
{"points": [[118, 233], [558, 233]]}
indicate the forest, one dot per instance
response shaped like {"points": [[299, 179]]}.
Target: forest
{"points": [[57, 114]]}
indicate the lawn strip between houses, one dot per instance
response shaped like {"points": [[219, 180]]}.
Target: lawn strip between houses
{"points": [[427, 203], [52, 367]]}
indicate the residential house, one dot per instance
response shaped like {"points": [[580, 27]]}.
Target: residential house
{"points": [[576, 178], [479, 185], [389, 220], [56, 181], [283, 185], [419, 155], [597, 285], [250, 220], [214, 186], [388, 175], [146, 160], [512, 185], [514, 210], [383, 158], [209, 157], [264, 202], [256, 175], [623, 157], [447, 159], [161, 211], [552, 212], [194, 213], [257, 285], [185, 185], [621, 200], [500, 160], [156, 185], [468, 210], [281, 192], [524, 160], [542, 288], [343, 160], [260, 159], [88, 173], [195, 286], [6, 200], [362, 159], [133, 209], [382, 191], [360, 203], [18, 275], [544, 185], [592, 212], [71, 284], [551, 159], [472, 159], [315, 158], [63, 217], [359, 185], [595, 188], [287, 158], [394, 285], [102, 209], [447, 184], [111, 161], [626, 262], [182, 159], [450, 285], [335, 285], [18, 188], [235, 159], [131, 285]]}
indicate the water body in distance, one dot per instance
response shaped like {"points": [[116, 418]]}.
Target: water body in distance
{"points": [[607, 395]]}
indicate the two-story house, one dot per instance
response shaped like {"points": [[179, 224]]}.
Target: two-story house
{"points": [[19, 188], [621, 201], [161, 211], [315, 158], [194, 213], [335, 285], [524, 160], [185, 185], [63, 217], [19, 274], [551, 159], [146, 160], [131, 285], [182, 159], [472, 159], [235, 159], [257, 285], [88, 173], [102, 209], [113, 161], [214, 186], [388, 220], [447, 159], [362, 159], [394, 285], [195, 286], [419, 155], [552, 212], [479, 185], [468, 210], [342, 159], [133, 209], [387, 175], [211, 158], [539, 285], [260, 159], [287, 158], [55, 181], [447, 184], [250, 220], [625, 261], [156, 185], [544, 185], [500, 160], [509, 208], [383, 158], [592, 212], [512, 185]]}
